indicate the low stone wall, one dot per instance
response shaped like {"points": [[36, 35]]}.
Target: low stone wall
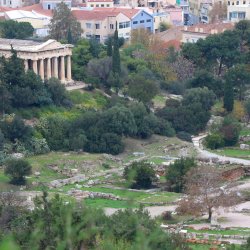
{"points": [[80, 194]]}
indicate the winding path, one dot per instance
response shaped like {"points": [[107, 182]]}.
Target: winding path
{"points": [[204, 153]]}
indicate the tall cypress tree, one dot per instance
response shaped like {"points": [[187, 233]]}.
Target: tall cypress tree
{"points": [[228, 96], [109, 46], [116, 61]]}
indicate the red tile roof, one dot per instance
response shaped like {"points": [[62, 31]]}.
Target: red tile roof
{"points": [[209, 28], [39, 9], [91, 14], [3, 9], [173, 43], [126, 11]]}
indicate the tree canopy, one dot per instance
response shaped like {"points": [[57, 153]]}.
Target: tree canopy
{"points": [[64, 23]]}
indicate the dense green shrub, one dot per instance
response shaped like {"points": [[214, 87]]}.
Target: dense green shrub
{"points": [[184, 136], [214, 141], [17, 169], [176, 171], [139, 175]]}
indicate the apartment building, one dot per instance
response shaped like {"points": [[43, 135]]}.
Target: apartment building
{"points": [[238, 10], [100, 24], [99, 3], [191, 34]]}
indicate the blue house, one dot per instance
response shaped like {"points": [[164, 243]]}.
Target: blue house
{"points": [[142, 20]]}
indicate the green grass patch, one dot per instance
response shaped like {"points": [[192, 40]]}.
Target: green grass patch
{"points": [[137, 195], [94, 100], [101, 203], [159, 101], [233, 231], [245, 131], [38, 112], [234, 152]]}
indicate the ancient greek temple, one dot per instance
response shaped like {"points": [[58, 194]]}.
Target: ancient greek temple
{"points": [[48, 59]]}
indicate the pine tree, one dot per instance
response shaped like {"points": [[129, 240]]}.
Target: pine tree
{"points": [[109, 46], [116, 61], [228, 96]]}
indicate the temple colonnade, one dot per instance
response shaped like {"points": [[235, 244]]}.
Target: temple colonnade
{"points": [[51, 67]]}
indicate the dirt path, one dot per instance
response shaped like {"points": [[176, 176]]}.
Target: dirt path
{"points": [[153, 211], [204, 153]]}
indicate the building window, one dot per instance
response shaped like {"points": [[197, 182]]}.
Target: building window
{"points": [[141, 14], [237, 2], [232, 3], [97, 5], [148, 20], [142, 21], [102, 5], [88, 36], [98, 38], [124, 25], [242, 15], [97, 26], [91, 5], [88, 25], [228, 3], [135, 22], [107, 5], [244, 2], [48, 6], [111, 26]]}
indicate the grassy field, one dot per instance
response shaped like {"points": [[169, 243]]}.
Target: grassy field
{"points": [[234, 152], [87, 100], [245, 131], [233, 231], [159, 101]]}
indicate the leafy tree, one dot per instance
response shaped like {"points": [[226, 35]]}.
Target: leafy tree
{"points": [[247, 108], [204, 192], [228, 96], [142, 89], [215, 52], [80, 57], [203, 78], [15, 129], [116, 62], [17, 169], [214, 141], [176, 172], [16, 30], [55, 130], [1, 140], [77, 141], [239, 77], [119, 120], [63, 21], [100, 69], [5, 97], [230, 131], [204, 96], [58, 92], [31, 91], [139, 175], [163, 26], [13, 70]]}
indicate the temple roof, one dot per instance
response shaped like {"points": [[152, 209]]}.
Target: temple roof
{"points": [[31, 46]]}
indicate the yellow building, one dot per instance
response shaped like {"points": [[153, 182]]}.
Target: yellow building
{"points": [[99, 3], [101, 24]]}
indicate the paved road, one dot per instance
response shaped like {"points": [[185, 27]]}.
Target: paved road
{"points": [[206, 154]]}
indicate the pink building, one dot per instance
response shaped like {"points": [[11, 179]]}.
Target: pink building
{"points": [[176, 14]]}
